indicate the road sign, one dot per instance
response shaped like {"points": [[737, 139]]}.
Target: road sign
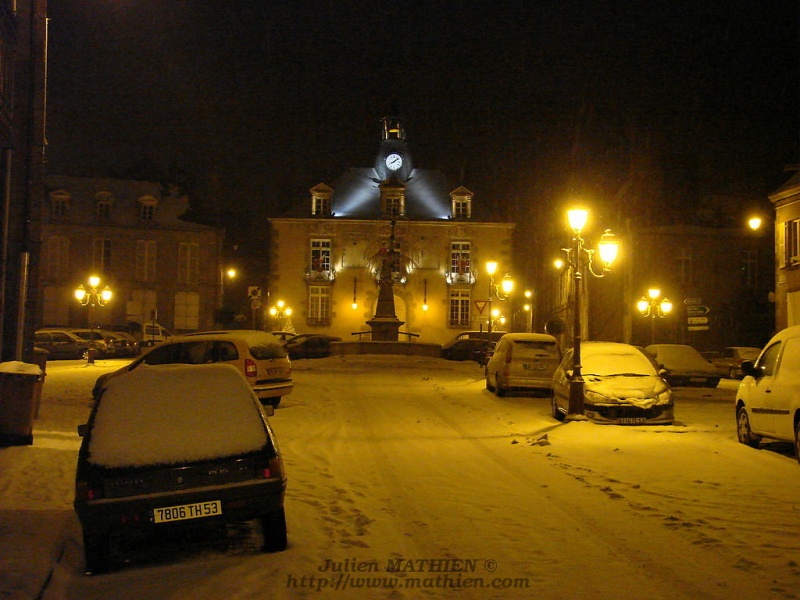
{"points": [[480, 305], [697, 320], [689, 301], [254, 292], [697, 310], [698, 328]]}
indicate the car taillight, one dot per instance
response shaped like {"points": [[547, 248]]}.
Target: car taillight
{"points": [[250, 368], [84, 491]]}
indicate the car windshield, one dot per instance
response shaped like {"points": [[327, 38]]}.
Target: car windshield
{"points": [[608, 362]]}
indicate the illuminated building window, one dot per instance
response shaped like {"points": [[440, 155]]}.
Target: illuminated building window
{"points": [[395, 206], [320, 256], [461, 203], [319, 305], [459, 259], [459, 315], [791, 243]]}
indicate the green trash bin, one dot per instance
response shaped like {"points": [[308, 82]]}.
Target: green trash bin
{"points": [[21, 386]]}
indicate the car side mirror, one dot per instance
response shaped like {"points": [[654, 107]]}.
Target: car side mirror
{"points": [[749, 368], [82, 429], [269, 409]]}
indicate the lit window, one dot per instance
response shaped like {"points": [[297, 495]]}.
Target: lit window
{"points": [[459, 308], [320, 256], [460, 258], [319, 305]]}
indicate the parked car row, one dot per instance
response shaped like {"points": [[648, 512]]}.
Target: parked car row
{"points": [[76, 343]]}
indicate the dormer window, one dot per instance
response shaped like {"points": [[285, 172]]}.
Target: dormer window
{"points": [[321, 200], [395, 206], [59, 204], [461, 200], [393, 198], [147, 208], [104, 203]]}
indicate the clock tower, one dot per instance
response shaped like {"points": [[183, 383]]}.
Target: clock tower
{"points": [[393, 159]]}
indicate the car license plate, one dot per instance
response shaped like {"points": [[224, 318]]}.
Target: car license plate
{"points": [[632, 421], [698, 379], [187, 511], [534, 367]]}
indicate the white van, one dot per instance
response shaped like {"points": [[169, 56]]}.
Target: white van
{"points": [[523, 361], [153, 333], [768, 399]]}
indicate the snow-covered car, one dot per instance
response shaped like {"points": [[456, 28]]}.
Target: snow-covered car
{"points": [[768, 398], [728, 361], [523, 361], [621, 386], [310, 345], [125, 345], [257, 355], [172, 446], [467, 349], [683, 365]]}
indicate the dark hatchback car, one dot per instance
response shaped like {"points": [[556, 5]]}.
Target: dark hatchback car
{"points": [[468, 349], [173, 446], [310, 345]]}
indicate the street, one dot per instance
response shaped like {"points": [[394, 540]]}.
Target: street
{"points": [[407, 479]]}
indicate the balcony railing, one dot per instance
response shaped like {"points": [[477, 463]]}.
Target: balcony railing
{"points": [[453, 278], [320, 275]]}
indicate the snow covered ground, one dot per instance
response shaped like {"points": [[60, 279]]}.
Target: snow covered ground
{"points": [[407, 476]]}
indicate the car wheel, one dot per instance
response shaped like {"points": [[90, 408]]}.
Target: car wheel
{"points": [[743, 431], [797, 440], [273, 526], [85, 354], [275, 402], [96, 550], [489, 386], [557, 414], [498, 388]]}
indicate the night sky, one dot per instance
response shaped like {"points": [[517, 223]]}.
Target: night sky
{"points": [[254, 102]]}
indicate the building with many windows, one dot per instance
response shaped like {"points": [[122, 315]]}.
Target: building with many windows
{"points": [[786, 200], [131, 235], [389, 220]]}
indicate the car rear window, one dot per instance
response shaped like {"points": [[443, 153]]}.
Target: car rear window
{"points": [[155, 415], [267, 351], [536, 347]]}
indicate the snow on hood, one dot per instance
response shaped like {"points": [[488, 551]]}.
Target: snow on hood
{"points": [[643, 391], [174, 413]]}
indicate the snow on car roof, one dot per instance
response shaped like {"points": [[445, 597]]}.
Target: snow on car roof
{"points": [[167, 414]]}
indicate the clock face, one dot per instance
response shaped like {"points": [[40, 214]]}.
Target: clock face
{"points": [[394, 161]]}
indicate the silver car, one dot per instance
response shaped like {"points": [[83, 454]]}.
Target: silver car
{"points": [[621, 386], [523, 361]]}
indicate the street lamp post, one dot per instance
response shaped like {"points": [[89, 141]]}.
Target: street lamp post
{"points": [[528, 307], [93, 296], [578, 255], [654, 309], [506, 285], [281, 312]]}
